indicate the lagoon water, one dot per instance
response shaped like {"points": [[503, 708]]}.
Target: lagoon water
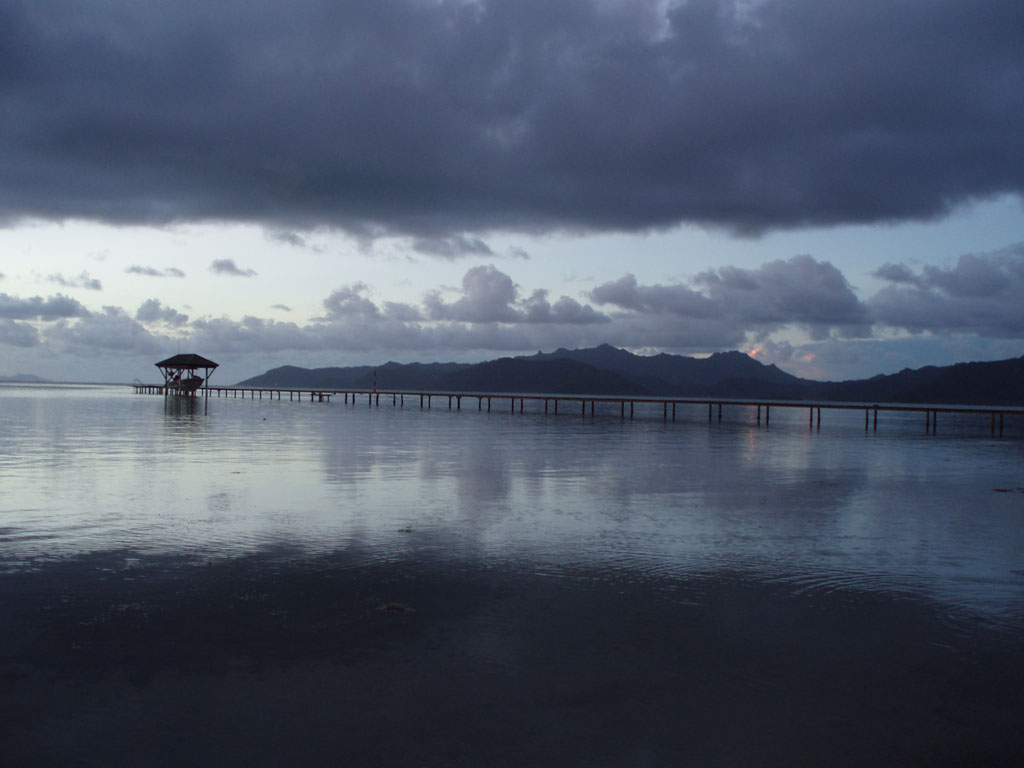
{"points": [[261, 582]]}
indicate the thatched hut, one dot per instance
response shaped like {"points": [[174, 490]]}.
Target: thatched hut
{"points": [[181, 373]]}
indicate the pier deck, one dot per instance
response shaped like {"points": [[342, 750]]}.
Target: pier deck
{"points": [[579, 403]]}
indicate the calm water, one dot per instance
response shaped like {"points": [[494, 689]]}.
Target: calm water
{"points": [[448, 545]]}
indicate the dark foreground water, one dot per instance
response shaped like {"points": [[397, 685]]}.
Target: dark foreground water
{"points": [[282, 583]]}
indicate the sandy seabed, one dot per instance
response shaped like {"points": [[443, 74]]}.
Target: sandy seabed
{"points": [[280, 658]]}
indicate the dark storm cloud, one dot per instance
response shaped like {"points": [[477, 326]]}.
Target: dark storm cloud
{"points": [[38, 308], [151, 272], [228, 267], [980, 294], [447, 118]]}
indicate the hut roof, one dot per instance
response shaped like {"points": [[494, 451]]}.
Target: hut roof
{"points": [[191, 361]]}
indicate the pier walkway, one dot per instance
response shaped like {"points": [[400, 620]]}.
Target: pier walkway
{"points": [[996, 415]]}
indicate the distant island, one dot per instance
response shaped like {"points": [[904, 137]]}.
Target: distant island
{"points": [[607, 370], [22, 378]]}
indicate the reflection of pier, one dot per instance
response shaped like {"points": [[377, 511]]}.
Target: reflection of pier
{"points": [[589, 404]]}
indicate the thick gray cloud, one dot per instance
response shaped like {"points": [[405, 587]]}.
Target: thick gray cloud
{"points": [[349, 302], [112, 329], [487, 297], [15, 334], [490, 296], [443, 119], [152, 272], [153, 311], [980, 294], [800, 291], [228, 267], [38, 308]]}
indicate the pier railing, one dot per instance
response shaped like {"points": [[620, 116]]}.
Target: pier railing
{"points": [[582, 403]]}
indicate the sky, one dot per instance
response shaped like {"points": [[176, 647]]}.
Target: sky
{"points": [[833, 187]]}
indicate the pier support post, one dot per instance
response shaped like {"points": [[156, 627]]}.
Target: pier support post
{"points": [[421, 401], [664, 411], [458, 403], [583, 408], [719, 411], [631, 411], [546, 411], [556, 407], [767, 414], [819, 417], [488, 405], [449, 402], [874, 421], [622, 409], [759, 415], [591, 409]]}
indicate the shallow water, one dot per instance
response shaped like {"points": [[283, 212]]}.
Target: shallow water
{"points": [[567, 564]]}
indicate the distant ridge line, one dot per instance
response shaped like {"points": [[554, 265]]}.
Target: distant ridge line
{"points": [[607, 370]]}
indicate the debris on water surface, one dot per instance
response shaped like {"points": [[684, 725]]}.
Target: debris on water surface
{"points": [[395, 608]]}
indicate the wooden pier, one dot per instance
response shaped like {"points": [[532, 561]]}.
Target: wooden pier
{"points": [[582, 404]]}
